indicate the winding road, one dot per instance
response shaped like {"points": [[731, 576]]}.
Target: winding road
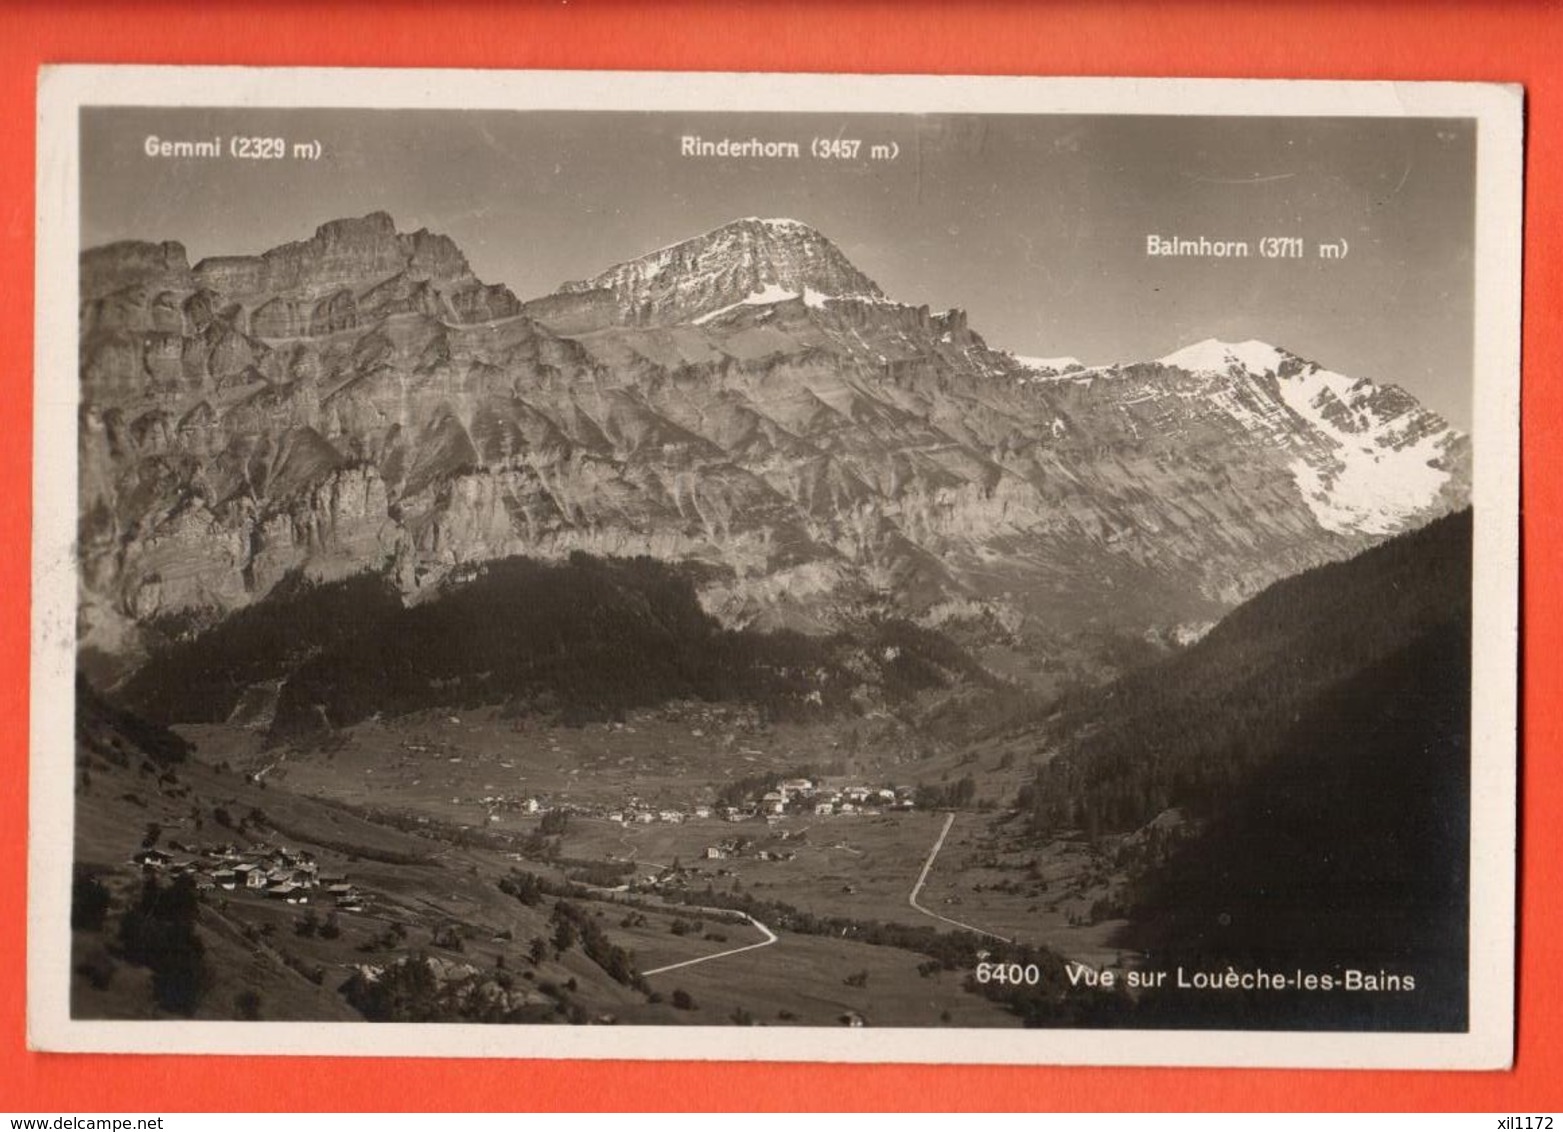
{"points": [[922, 877], [770, 938]]}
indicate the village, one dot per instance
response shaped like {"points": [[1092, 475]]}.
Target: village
{"points": [[793, 796], [273, 872]]}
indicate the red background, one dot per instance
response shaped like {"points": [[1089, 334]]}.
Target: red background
{"points": [[1514, 42]]}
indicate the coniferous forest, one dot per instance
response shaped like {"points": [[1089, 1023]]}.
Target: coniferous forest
{"points": [[1190, 730], [578, 641], [1319, 739]]}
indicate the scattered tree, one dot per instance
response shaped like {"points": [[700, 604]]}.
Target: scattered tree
{"points": [[90, 902], [555, 822], [159, 932]]}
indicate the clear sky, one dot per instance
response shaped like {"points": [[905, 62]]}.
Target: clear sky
{"points": [[1036, 225]]}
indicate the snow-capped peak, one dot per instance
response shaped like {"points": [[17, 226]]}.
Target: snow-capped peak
{"points": [[745, 261], [1215, 356], [1366, 455]]}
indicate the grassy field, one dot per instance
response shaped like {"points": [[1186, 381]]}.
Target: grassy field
{"points": [[865, 867], [989, 877], [802, 980], [444, 764]]}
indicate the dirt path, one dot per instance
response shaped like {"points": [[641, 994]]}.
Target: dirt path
{"points": [[923, 877]]}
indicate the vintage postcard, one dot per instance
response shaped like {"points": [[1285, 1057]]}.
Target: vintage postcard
{"points": [[787, 567]]}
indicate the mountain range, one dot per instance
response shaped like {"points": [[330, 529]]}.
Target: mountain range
{"points": [[747, 401]]}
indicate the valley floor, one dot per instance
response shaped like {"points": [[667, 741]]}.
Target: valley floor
{"points": [[425, 863]]}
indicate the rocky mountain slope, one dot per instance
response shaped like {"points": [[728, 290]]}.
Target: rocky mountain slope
{"points": [[747, 400]]}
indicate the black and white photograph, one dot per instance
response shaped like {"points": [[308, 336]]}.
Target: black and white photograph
{"points": [[722, 566]]}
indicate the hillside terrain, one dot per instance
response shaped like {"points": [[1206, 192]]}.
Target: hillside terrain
{"points": [[400, 918], [1293, 791]]}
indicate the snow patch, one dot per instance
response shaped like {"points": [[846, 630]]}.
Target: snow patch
{"points": [[765, 296], [776, 293], [1367, 487]]}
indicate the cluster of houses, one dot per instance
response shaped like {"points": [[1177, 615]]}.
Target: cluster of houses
{"points": [[276, 873], [744, 847], [495, 803], [793, 796], [633, 815], [801, 795]]}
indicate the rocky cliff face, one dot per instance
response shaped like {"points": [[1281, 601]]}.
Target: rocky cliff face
{"points": [[150, 322], [747, 400]]}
